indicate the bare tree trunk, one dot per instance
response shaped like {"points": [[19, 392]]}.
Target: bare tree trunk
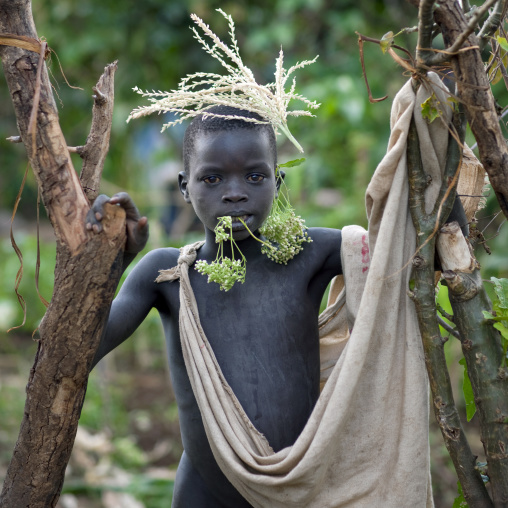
{"points": [[86, 275], [483, 352], [423, 295]]}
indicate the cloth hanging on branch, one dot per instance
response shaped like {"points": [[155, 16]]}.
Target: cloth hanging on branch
{"points": [[366, 441]]}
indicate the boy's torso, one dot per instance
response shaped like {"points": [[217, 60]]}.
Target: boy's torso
{"points": [[264, 335]]}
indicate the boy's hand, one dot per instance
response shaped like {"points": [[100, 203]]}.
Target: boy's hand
{"points": [[137, 227]]}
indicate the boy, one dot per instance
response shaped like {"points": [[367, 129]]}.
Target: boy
{"points": [[264, 333]]}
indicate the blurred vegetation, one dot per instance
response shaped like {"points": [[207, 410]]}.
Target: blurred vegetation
{"points": [[129, 401]]}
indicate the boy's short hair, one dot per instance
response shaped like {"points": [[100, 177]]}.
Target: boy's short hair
{"points": [[217, 123]]}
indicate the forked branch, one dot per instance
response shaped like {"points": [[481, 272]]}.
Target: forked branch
{"points": [[97, 144]]}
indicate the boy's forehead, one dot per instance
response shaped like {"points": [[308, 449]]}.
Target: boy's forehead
{"points": [[236, 142], [231, 136]]}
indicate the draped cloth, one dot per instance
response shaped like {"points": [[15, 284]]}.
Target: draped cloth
{"points": [[366, 441]]}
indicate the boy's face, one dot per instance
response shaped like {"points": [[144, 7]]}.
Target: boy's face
{"points": [[231, 173]]}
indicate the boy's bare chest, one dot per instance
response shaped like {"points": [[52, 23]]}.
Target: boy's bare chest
{"points": [[265, 337], [270, 306]]}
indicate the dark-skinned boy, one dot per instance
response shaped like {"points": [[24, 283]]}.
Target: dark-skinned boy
{"points": [[264, 333]]}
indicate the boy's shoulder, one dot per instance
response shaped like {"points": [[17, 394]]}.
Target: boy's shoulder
{"points": [[325, 249], [326, 239], [163, 254], [324, 234], [157, 259]]}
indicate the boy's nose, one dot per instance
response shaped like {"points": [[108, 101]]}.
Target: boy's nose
{"points": [[234, 194]]}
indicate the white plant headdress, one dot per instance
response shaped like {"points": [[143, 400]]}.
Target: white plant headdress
{"points": [[199, 92]]}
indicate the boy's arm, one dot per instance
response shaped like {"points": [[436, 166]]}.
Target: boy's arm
{"points": [[136, 298]]}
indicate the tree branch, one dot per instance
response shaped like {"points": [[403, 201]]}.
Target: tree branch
{"points": [[483, 352], [430, 58], [97, 143], [425, 26], [424, 298], [63, 197], [474, 91], [86, 275], [492, 23], [447, 327]]}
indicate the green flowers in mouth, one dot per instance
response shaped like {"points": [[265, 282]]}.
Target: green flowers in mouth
{"points": [[284, 235], [224, 271]]}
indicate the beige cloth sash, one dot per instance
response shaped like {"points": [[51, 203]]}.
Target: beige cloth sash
{"points": [[366, 441]]}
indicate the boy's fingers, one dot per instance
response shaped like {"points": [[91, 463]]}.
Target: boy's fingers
{"points": [[125, 201], [99, 202]]}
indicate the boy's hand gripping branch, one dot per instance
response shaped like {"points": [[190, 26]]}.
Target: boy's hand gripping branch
{"points": [[137, 226]]}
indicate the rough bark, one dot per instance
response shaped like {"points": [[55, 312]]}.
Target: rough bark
{"points": [[481, 345], [423, 295], [97, 143], [480, 341], [69, 336], [86, 275], [474, 91], [63, 197]]}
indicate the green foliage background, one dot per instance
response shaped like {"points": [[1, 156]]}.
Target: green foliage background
{"points": [[155, 48]]}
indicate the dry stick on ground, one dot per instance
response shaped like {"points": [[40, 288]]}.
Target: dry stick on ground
{"points": [[423, 295], [481, 345], [472, 86], [87, 271]]}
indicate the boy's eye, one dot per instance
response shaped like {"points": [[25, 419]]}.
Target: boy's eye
{"points": [[211, 179], [255, 177]]}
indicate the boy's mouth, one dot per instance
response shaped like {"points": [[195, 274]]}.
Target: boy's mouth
{"points": [[237, 224]]}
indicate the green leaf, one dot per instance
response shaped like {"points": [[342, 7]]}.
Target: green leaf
{"points": [[501, 289], [386, 41], [504, 334], [502, 42], [488, 315], [429, 109], [502, 329], [291, 164], [468, 393], [460, 501], [498, 76], [452, 102]]}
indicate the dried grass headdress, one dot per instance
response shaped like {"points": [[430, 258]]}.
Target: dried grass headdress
{"points": [[199, 92]]}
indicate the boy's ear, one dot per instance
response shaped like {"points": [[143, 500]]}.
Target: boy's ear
{"points": [[279, 177], [182, 184]]}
